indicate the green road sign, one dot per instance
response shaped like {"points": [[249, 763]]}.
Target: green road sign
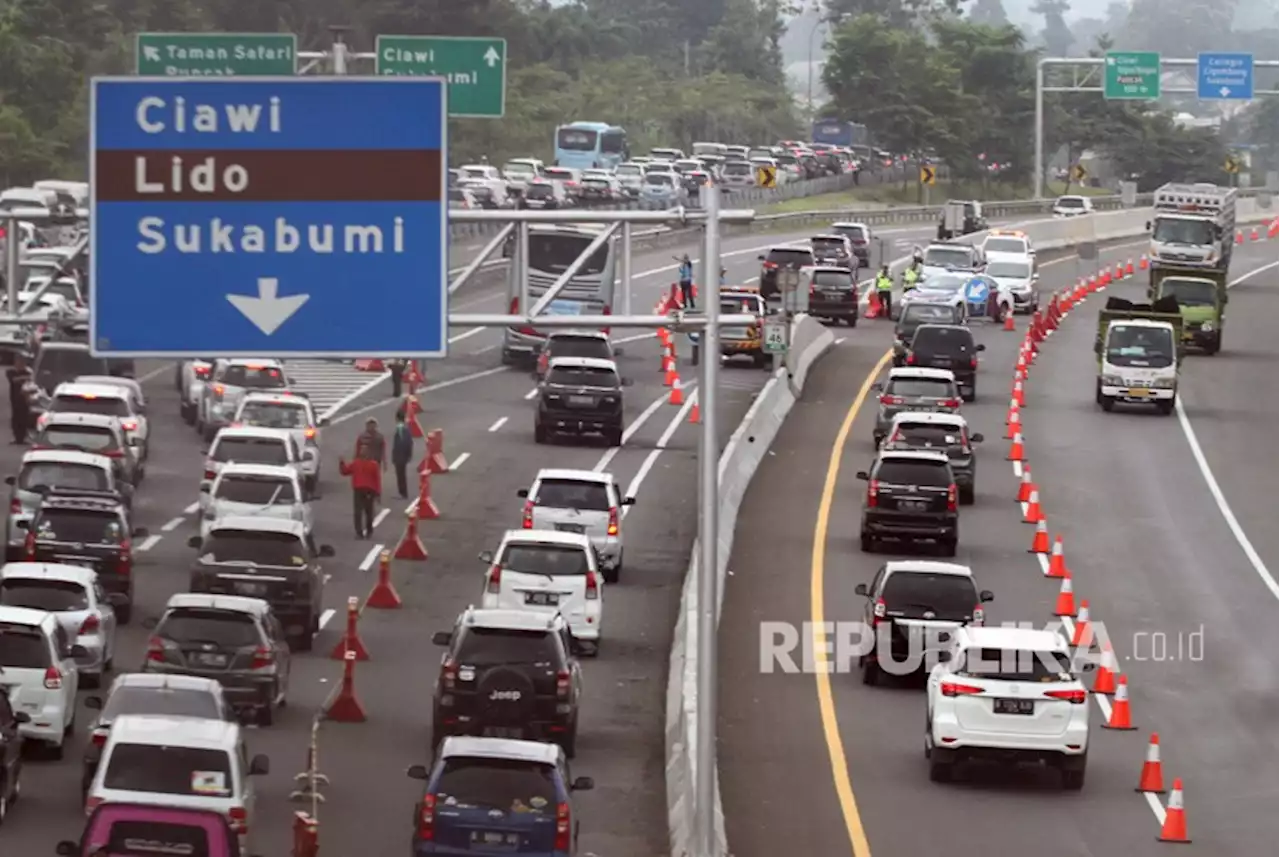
{"points": [[217, 54], [1133, 75], [475, 68]]}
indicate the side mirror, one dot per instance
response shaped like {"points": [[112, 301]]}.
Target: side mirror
{"points": [[326, 551], [1088, 667], [322, 422], [9, 480], [21, 717], [976, 438], [194, 542], [150, 623], [628, 501], [582, 784], [523, 493], [259, 766], [860, 589], [1035, 278], [863, 475], [485, 556], [982, 346], [140, 532], [944, 657], [878, 385], [627, 382], [1148, 225], [205, 488], [93, 703], [761, 258], [418, 772], [442, 638], [78, 651], [66, 849], [22, 525], [986, 595]]}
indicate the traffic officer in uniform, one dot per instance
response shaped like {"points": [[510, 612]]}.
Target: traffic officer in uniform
{"points": [[910, 277], [884, 291]]}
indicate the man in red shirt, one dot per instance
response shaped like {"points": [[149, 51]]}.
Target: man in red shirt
{"points": [[366, 476]]}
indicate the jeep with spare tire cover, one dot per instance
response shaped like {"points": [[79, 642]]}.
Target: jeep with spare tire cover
{"points": [[508, 674]]}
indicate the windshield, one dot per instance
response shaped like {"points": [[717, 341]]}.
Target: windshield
{"points": [[155, 768], [251, 450], [828, 245], [921, 388], [897, 471], [916, 314], [254, 548], [224, 628], [912, 593], [596, 182], [97, 439], [253, 377], [736, 168], [1006, 245], [58, 474], [927, 435], [1070, 202], [658, 179], [505, 785], [1140, 347], [518, 168], [82, 526], [493, 646], [576, 140], [559, 174], [107, 406], [1009, 270], [547, 560], [52, 596], [273, 415], [23, 648], [164, 701], [540, 191], [944, 257], [569, 494], [258, 490], [72, 362], [790, 258], [476, 172], [833, 280], [1190, 292], [856, 234], [1171, 230], [554, 253], [579, 346], [789, 160], [937, 340], [1015, 665], [583, 377], [629, 170], [944, 283]]}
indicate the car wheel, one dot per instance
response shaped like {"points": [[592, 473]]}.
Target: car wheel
{"points": [[305, 640], [869, 544], [971, 396], [569, 743], [539, 433], [56, 751], [870, 671], [124, 614], [1108, 403], [1165, 408], [89, 681], [4, 802], [1072, 771], [940, 767], [852, 320], [949, 546], [967, 495]]}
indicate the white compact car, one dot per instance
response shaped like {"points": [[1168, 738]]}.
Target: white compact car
{"points": [[1007, 694], [76, 599], [291, 412], [250, 445], [584, 502], [551, 572], [253, 491], [94, 396], [1072, 206], [38, 669]]}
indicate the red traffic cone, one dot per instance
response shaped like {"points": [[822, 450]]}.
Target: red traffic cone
{"points": [[1008, 321], [1174, 828], [1128, 269], [411, 547], [1274, 229], [1013, 427], [1082, 636], [695, 417], [677, 394], [425, 509], [873, 305], [1121, 717], [1143, 263], [1019, 395], [1057, 561], [1035, 514], [1151, 779], [1040, 542], [350, 641], [383, 596], [1253, 234], [670, 379], [1239, 236], [411, 416], [345, 708], [436, 462], [1026, 486], [1104, 680], [1015, 449], [1066, 603]]}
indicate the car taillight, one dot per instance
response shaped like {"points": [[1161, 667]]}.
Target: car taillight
{"points": [[873, 493], [613, 521], [950, 403], [911, 360], [218, 390], [239, 819], [593, 586], [129, 425], [1075, 697], [427, 818], [526, 522], [495, 580], [891, 400], [99, 737], [448, 674], [564, 828], [879, 610], [15, 506], [262, 658], [124, 563], [309, 434], [607, 310], [112, 453], [29, 545], [979, 616], [90, 625], [155, 650], [973, 362], [770, 266], [952, 498], [564, 684], [91, 804], [210, 474], [202, 371], [515, 310], [949, 688], [53, 678]]}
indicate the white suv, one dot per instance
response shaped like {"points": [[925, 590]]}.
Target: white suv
{"points": [[38, 669], [580, 501], [551, 572], [1009, 694]]}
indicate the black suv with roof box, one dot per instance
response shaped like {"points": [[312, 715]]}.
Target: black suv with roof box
{"points": [[948, 346], [90, 529], [508, 674], [580, 396], [833, 294], [911, 497], [915, 313], [791, 259]]}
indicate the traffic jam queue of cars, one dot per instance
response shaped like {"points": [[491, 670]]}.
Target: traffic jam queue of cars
{"points": [[1002, 694]]}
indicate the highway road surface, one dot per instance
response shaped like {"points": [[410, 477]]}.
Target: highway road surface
{"points": [[1169, 529], [486, 414]]}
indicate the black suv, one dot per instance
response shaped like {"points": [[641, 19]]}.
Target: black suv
{"points": [[947, 433], [580, 395], [10, 750], [948, 346], [833, 294], [91, 529], [781, 258], [916, 313], [508, 674], [911, 496], [921, 602]]}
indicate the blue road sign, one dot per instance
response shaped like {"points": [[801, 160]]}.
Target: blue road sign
{"points": [[976, 291], [1221, 76], [289, 217]]}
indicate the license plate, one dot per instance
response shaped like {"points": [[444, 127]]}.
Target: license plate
{"points": [[211, 660], [252, 590], [835, 296], [503, 732], [494, 839], [912, 505], [81, 561], [581, 401], [571, 528], [1013, 706], [542, 599], [1139, 393]]}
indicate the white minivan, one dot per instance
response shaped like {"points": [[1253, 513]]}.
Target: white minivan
{"points": [[38, 669], [579, 501]]}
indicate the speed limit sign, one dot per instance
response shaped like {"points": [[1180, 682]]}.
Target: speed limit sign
{"points": [[775, 337]]}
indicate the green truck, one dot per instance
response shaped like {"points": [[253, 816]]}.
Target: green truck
{"points": [[1139, 348], [1201, 296]]}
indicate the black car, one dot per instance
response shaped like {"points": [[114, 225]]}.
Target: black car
{"points": [[921, 603], [974, 220], [790, 259], [91, 529], [60, 361], [580, 395], [10, 751], [947, 433], [911, 497], [833, 294], [274, 559], [920, 311], [508, 674], [948, 346]]}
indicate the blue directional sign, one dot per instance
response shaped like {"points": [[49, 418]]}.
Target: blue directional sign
{"points": [[1222, 76], [289, 217], [976, 291]]}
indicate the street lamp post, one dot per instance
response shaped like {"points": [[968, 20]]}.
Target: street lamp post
{"points": [[812, 32]]}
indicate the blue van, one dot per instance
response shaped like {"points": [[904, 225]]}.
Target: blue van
{"points": [[497, 796]]}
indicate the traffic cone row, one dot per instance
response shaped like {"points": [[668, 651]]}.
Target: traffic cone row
{"points": [[1109, 680]]}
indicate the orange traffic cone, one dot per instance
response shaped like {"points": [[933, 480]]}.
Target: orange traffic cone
{"points": [[1026, 486], [1013, 427], [1104, 681], [1015, 449], [873, 305], [1020, 368], [1008, 321], [1151, 779], [1143, 263], [1274, 229], [1253, 235], [1057, 561], [677, 394], [670, 379], [1121, 718], [425, 509], [1019, 395], [1013, 409], [1082, 636], [1119, 271], [1040, 542], [1066, 603], [1174, 828], [411, 547], [1034, 514], [695, 416], [1239, 236], [1128, 268]]}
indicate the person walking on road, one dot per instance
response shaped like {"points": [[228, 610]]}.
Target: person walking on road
{"points": [[396, 368], [686, 282], [884, 291], [366, 476], [402, 453], [19, 400]]}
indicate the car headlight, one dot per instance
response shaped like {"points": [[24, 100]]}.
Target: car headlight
{"points": [[216, 410], [1207, 327], [1112, 381], [1162, 383]]}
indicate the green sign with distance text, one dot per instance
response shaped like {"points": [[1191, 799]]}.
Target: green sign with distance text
{"points": [[1131, 75], [474, 67], [217, 54]]}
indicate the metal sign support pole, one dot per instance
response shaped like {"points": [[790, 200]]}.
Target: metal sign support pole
{"points": [[708, 541], [626, 268], [12, 237]]}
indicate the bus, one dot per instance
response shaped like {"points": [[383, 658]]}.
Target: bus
{"points": [[836, 132], [587, 145]]}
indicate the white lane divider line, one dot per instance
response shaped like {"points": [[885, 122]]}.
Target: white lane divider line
{"points": [[636, 338], [381, 516], [1157, 810], [324, 618], [150, 542], [155, 373], [498, 423], [172, 525], [459, 461], [839, 340], [466, 334], [531, 395], [192, 509], [652, 458], [430, 388], [371, 557], [630, 431]]}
